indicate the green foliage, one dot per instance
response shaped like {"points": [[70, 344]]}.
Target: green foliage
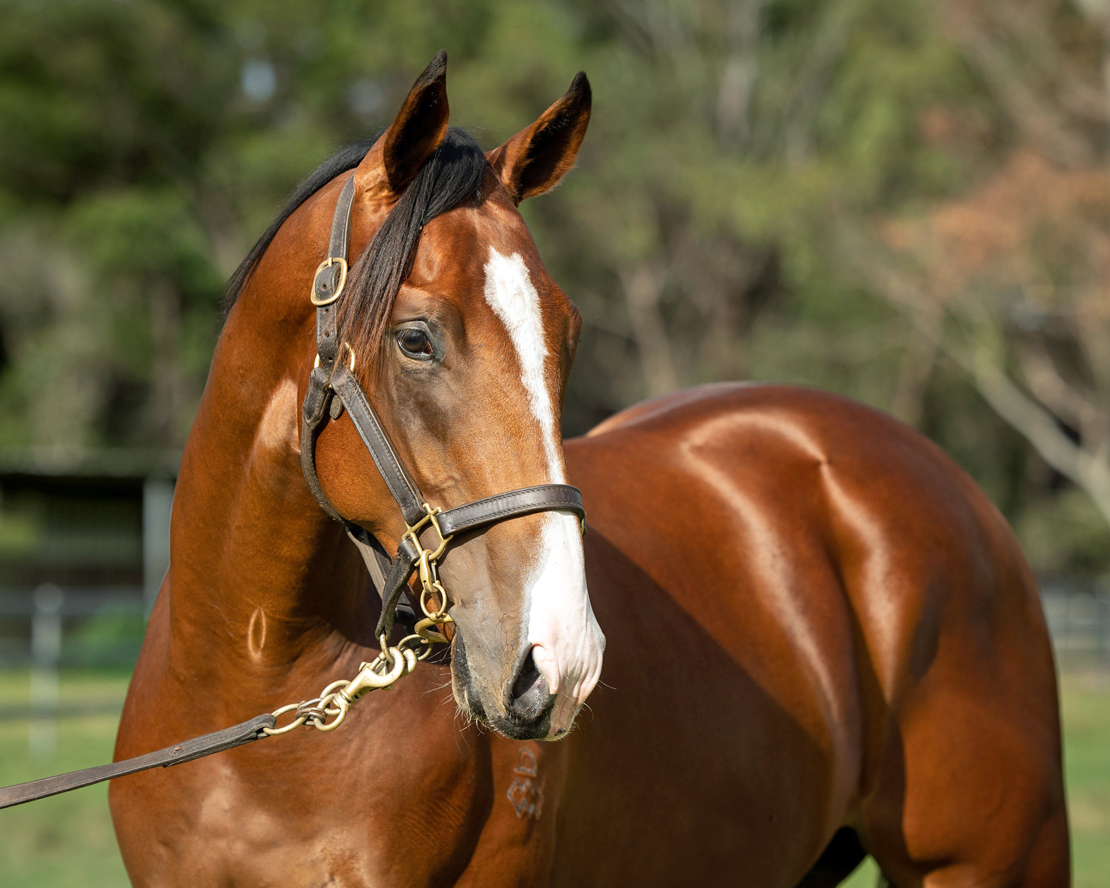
{"points": [[146, 144], [1063, 533]]}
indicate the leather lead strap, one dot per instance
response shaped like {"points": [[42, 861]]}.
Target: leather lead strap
{"points": [[189, 751], [393, 587]]}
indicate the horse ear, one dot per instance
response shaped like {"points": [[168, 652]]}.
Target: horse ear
{"points": [[417, 131], [535, 159]]}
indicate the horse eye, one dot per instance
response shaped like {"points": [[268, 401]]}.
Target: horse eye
{"points": [[415, 343]]}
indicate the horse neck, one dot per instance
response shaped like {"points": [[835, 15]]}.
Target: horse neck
{"points": [[259, 575]]}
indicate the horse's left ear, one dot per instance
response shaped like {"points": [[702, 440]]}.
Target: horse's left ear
{"points": [[535, 159]]}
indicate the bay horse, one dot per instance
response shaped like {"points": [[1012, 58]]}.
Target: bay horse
{"points": [[821, 640]]}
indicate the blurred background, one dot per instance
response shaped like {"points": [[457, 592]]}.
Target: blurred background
{"points": [[906, 202]]}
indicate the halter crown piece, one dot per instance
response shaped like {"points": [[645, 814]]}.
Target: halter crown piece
{"points": [[333, 387]]}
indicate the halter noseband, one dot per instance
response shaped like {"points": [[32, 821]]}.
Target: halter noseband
{"points": [[333, 387]]}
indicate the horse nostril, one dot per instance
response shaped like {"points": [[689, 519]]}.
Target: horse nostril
{"points": [[527, 678], [529, 699]]}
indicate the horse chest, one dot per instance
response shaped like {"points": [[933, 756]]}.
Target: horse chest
{"points": [[303, 820]]}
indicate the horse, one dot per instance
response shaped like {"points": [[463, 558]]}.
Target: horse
{"points": [[820, 639]]}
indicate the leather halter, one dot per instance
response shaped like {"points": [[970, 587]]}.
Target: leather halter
{"points": [[333, 387]]}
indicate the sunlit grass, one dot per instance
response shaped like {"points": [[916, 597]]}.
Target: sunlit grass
{"points": [[1086, 704], [66, 840]]}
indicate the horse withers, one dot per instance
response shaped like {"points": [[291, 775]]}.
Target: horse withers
{"points": [[821, 639]]}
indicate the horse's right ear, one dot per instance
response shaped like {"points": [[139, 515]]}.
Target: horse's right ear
{"points": [[535, 159], [418, 130]]}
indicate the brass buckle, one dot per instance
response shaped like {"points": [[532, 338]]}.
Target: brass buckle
{"points": [[328, 263]]}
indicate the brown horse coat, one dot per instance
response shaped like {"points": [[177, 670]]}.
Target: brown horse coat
{"points": [[844, 633], [818, 629]]}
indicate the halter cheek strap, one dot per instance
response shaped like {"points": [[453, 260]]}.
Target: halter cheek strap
{"points": [[333, 388]]}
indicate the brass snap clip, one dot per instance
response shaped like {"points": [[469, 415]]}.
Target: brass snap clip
{"points": [[371, 677]]}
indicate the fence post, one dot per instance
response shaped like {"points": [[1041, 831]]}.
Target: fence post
{"points": [[157, 506], [1103, 625], [46, 650]]}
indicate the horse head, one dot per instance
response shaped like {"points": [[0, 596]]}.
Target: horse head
{"points": [[463, 344]]}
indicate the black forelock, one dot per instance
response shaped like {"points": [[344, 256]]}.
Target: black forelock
{"points": [[451, 176]]}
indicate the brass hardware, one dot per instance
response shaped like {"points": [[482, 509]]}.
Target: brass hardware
{"points": [[370, 679], [424, 629], [427, 567], [345, 345], [328, 263], [315, 712], [278, 713], [327, 712], [413, 532], [426, 643], [439, 615], [338, 697]]}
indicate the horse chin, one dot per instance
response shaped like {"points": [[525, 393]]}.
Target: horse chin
{"points": [[540, 730], [508, 726]]}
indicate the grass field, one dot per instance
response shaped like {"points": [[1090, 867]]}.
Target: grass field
{"points": [[68, 840]]}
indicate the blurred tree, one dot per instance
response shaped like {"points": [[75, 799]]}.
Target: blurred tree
{"points": [[765, 185], [1009, 280]]}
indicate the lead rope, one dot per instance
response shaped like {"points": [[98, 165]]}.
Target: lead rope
{"points": [[324, 713]]}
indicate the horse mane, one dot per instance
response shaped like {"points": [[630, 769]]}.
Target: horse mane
{"points": [[449, 177], [347, 158]]}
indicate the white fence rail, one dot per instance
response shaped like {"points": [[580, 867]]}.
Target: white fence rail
{"points": [[49, 608], [1079, 620], [1078, 615]]}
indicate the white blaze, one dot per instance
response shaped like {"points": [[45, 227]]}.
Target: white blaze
{"points": [[567, 642]]}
